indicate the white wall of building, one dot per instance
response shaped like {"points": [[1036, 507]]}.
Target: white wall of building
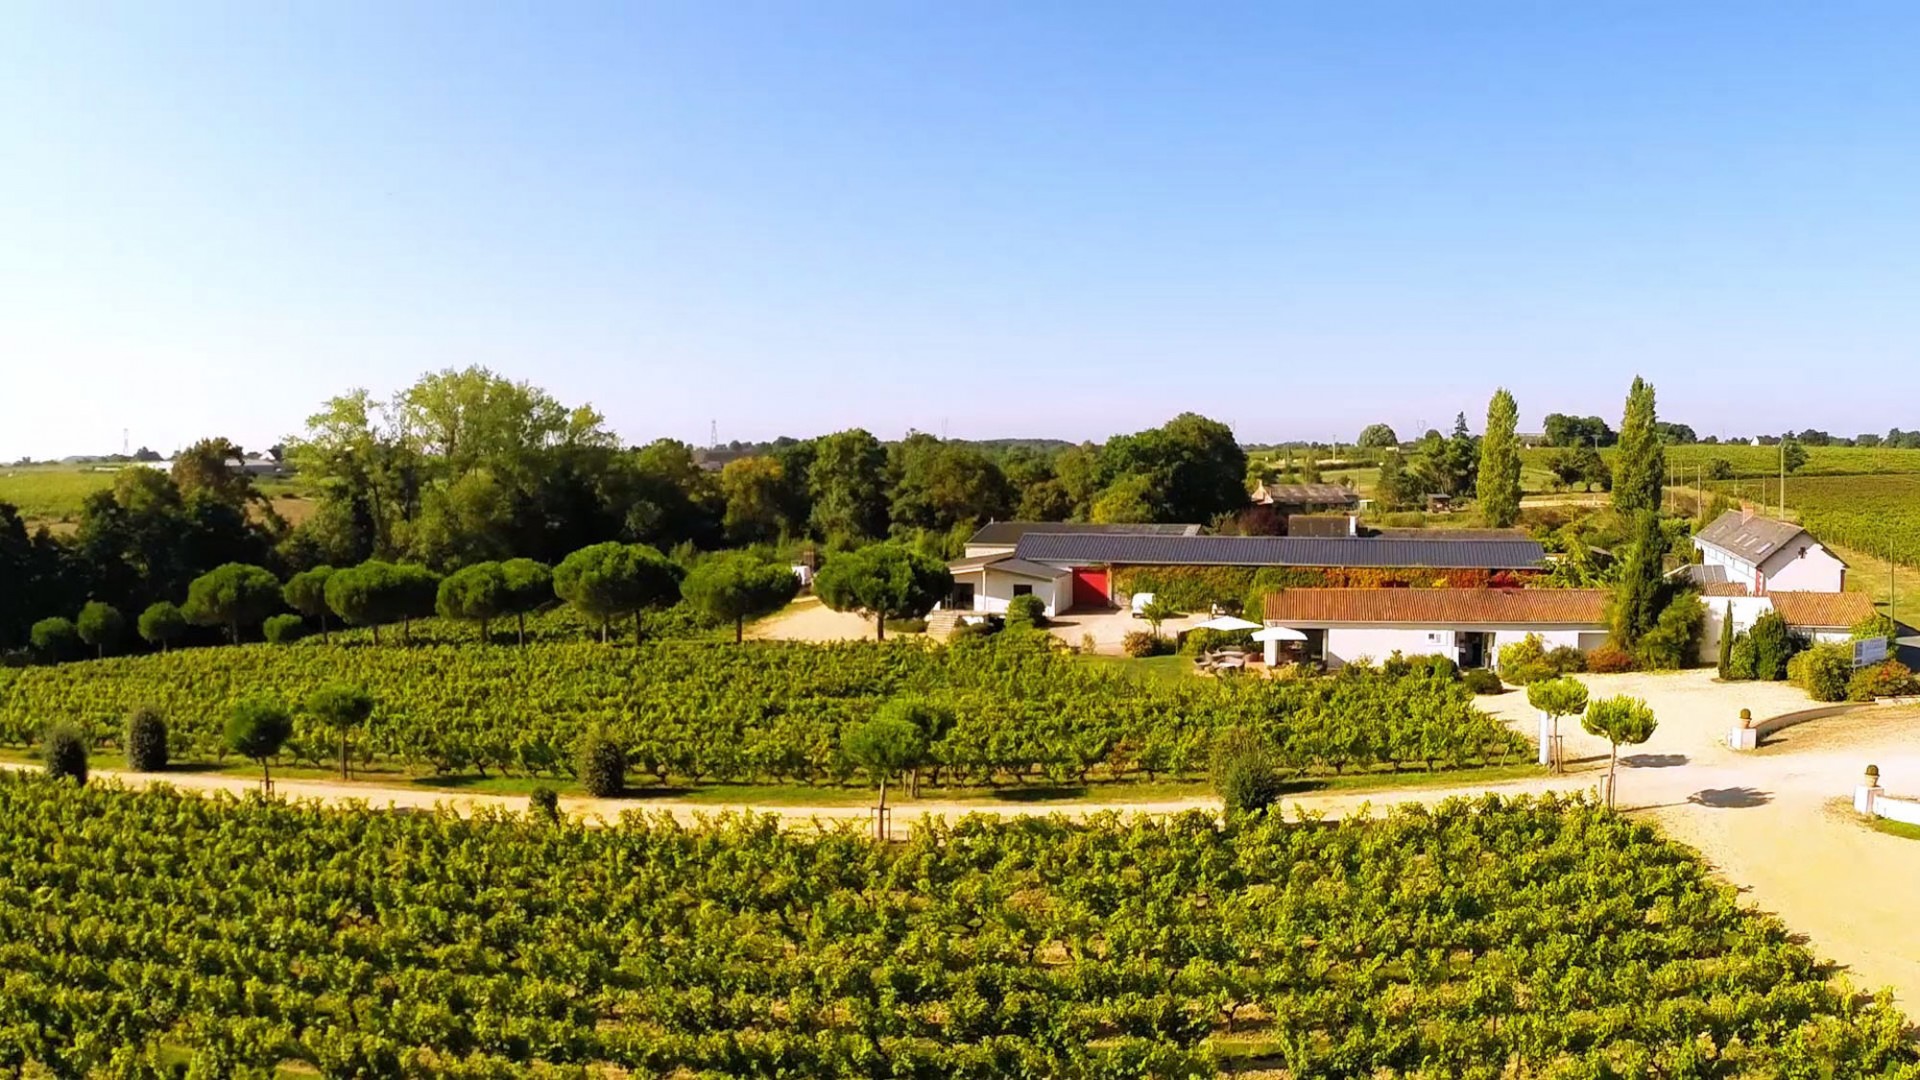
{"points": [[1738, 569], [1746, 610], [1550, 637], [1348, 644], [991, 595], [1816, 571]]}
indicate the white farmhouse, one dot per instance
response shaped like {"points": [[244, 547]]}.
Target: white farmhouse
{"points": [[1765, 555], [1468, 626]]}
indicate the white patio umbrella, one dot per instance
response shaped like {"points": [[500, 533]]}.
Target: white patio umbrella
{"points": [[1226, 622], [1279, 633]]}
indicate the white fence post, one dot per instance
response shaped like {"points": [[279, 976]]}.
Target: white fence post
{"points": [[1868, 793]]}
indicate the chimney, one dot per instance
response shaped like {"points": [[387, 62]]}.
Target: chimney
{"points": [[1746, 512]]}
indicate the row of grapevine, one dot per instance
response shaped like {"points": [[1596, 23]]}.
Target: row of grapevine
{"points": [[768, 711], [1477, 939], [1875, 516]]}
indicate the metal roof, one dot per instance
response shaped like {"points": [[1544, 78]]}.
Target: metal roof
{"points": [[1438, 607], [1749, 538], [1007, 564], [1308, 494], [1282, 551], [1010, 532]]}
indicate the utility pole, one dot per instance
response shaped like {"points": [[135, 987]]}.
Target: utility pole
{"points": [[1783, 478]]}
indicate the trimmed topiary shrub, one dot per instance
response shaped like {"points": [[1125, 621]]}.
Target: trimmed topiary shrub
{"points": [[283, 629], [146, 740], [603, 766], [1482, 681], [544, 803], [1243, 773], [1609, 659], [54, 638], [1740, 659], [65, 753]]}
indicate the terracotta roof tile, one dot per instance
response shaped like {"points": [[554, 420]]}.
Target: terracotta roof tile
{"points": [[1827, 610], [1440, 607]]}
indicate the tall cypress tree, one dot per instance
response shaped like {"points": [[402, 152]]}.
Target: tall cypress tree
{"points": [[1499, 485], [1637, 476], [1641, 593], [1726, 643]]}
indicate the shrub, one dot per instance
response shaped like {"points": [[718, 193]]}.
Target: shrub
{"points": [[1026, 612], [100, 625], [1566, 660], [906, 626], [65, 753], [1823, 671], [1482, 681], [544, 803], [54, 638], [1139, 643], [1890, 679], [1674, 640], [1740, 658], [283, 629], [1773, 645], [162, 624], [1195, 642], [1243, 773], [146, 740], [603, 766], [1609, 659], [966, 630], [1525, 661]]}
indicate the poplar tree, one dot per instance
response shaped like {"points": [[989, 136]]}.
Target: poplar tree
{"points": [[1637, 481], [1499, 485]]}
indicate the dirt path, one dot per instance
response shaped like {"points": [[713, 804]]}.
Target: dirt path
{"points": [[807, 619], [1766, 819]]}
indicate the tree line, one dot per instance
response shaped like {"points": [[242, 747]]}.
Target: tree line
{"points": [[467, 467]]}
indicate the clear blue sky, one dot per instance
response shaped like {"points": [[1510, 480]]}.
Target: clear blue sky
{"points": [[1004, 219]]}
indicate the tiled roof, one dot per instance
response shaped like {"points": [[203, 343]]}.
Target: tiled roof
{"points": [[1825, 610], [1010, 532], [1282, 551], [1308, 494], [1439, 607], [1751, 539]]}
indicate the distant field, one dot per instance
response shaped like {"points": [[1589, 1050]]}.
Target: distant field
{"points": [[1875, 515], [52, 494], [1763, 462]]}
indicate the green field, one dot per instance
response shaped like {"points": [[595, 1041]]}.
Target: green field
{"points": [[1482, 938], [51, 492]]}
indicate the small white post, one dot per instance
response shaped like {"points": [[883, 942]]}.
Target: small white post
{"points": [[1743, 736], [1546, 739], [1868, 793]]}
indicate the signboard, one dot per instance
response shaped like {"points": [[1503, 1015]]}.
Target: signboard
{"points": [[1873, 650]]}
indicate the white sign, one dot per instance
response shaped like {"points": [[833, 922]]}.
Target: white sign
{"points": [[1871, 651]]}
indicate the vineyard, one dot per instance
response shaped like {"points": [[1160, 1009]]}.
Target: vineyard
{"points": [[1477, 939], [1873, 515], [766, 712]]}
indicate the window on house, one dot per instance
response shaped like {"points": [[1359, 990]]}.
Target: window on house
{"points": [[1023, 590]]}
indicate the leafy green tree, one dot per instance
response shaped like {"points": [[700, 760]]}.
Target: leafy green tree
{"points": [[1773, 646], [1640, 466], [283, 629], [362, 595], [672, 499], [1557, 698], [341, 708], [1243, 772], [1719, 469], [1641, 593], [847, 483], [1394, 490], [1157, 611], [884, 746], [101, 626], [1195, 470], [205, 466], [736, 586], [543, 803], [412, 592], [1793, 456], [1593, 469], [933, 720], [145, 740], [609, 581], [1378, 437], [755, 490], [1125, 501], [162, 624], [1498, 489], [884, 581], [257, 728], [232, 595], [938, 485], [306, 593], [476, 593], [64, 753], [529, 587], [1622, 721], [55, 638]]}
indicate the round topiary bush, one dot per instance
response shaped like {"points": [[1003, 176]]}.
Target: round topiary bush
{"points": [[1243, 772], [1482, 681], [283, 629], [603, 766], [146, 740], [1027, 611], [54, 638], [544, 803], [65, 753]]}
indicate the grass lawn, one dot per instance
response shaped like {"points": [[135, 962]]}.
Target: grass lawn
{"points": [[1896, 828], [1155, 668], [50, 493]]}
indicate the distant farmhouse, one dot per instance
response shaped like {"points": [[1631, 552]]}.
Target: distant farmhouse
{"points": [[1759, 555]]}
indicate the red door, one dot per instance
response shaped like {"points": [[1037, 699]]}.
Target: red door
{"points": [[1090, 587]]}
